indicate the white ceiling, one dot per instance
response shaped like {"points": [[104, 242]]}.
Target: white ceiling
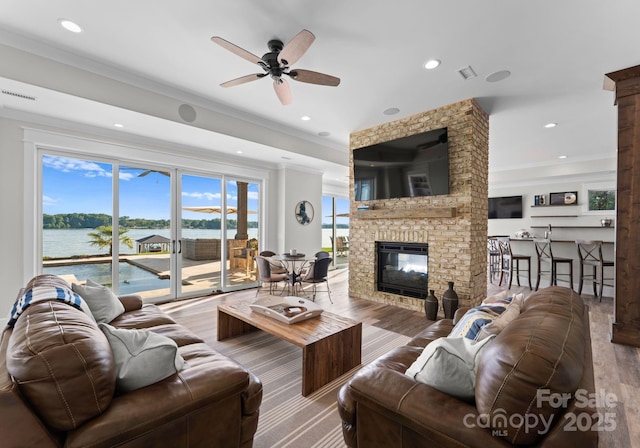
{"points": [[557, 53]]}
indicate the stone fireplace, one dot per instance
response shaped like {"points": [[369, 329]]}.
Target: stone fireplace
{"points": [[453, 226]]}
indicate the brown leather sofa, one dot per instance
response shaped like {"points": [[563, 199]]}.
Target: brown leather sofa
{"points": [[526, 372], [71, 402]]}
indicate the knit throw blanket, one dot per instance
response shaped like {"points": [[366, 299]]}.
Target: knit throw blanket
{"points": [[42, 293]]}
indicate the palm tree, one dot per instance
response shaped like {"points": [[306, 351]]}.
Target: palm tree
{"points": [[102, 237]]}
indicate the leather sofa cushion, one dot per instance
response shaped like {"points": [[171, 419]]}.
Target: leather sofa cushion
{"points": [[62, 363], [147, 316], [439, 329], [543, 350]]}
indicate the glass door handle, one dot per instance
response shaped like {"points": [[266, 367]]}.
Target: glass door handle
{"points": [[179, 246]]}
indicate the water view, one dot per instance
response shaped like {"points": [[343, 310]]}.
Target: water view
{"points": [[67, 243]]}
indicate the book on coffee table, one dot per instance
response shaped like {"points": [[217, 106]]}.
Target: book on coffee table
{"points": [[288, 309]]}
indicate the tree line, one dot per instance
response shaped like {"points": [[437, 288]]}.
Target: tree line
{"points": [[94, 220]]}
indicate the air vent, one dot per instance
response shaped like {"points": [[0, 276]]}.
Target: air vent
{"points": [[19, 95], [467, 73]]}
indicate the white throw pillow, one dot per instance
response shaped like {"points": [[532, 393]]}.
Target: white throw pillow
{"points": [[498, 324], [449, 365], [103, 303], [142, 357]]}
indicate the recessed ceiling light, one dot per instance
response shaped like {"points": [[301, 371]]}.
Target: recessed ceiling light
{"points": [[118, 125], [285, 158], [305, 118], [498, 76], [70, 26], [391, 111], [324, 134], [238, 152], [550, 125], [431, 64], [562, 157]]}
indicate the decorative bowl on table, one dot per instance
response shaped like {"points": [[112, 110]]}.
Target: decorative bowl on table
{"points": [[288, 309]]}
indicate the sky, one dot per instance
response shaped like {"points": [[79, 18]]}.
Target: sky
{"points": [[79, 186]]}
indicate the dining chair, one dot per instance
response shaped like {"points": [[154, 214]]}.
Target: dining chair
{"points": [[276, 268], [322, 254], [266, 276], [510, 261], [546, 257], [590, 255], [493, 257], [316, 274]]}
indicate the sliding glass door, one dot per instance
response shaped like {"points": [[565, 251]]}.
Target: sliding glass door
{"points": [[200, 241], [148, 230], [76, 209], [335, 229], [144, 232], [242, 231]]}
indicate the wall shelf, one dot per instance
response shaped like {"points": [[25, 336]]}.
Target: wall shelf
{"points": [[573, 227], [554, 205], [554, 216], [411, 212]]}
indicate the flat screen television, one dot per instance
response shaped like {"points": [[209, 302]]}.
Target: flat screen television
{"points": [[417, 165], [505, 207]]}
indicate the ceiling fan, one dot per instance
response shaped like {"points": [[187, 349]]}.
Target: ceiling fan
{"points": [[277, 62]]}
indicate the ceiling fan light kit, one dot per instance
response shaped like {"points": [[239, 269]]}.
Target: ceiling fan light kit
{"points": [[276, 63]]}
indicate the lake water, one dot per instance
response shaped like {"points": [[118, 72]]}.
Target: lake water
{"points": [[62, 243]]}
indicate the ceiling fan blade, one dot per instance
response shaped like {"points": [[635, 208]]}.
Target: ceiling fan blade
{"points": [[281, 86], [242, 80], [296, 47], [312, 77], [144, 173], [237, 50]]}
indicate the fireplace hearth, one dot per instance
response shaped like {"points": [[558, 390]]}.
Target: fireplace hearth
{"points": [[403, 268]]}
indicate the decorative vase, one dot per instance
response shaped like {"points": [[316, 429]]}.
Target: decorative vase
{"points": [[449, 302], [431, 306]]}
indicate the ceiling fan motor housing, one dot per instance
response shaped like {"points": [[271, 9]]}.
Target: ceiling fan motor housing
{"points": [[271, 59]]}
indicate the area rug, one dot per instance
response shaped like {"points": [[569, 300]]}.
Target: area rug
{"points": [[287, 419]]}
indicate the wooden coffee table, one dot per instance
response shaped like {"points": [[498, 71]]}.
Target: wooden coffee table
{"points": [[331, 344]]}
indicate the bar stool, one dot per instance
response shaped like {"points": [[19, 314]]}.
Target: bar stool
{"points": [[545, 255], [494, 258], [507, 262], [590, 253]]}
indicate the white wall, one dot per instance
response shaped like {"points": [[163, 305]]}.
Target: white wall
{"points": [[296, 186], [12, 210]]}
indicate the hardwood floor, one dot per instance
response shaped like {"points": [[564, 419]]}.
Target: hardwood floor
{"points": [[616, 367]]}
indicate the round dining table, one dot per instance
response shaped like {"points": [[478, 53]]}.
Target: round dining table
{"points": [[294, 265]]}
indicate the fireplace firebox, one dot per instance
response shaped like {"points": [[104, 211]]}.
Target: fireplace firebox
{"points": [[403, 268]]}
